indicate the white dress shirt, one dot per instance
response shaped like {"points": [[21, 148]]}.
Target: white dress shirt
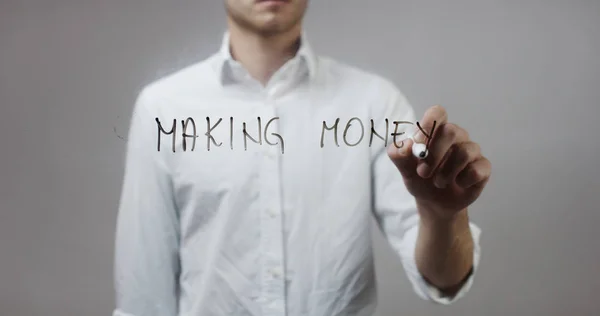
{"points": [[278, 225]]}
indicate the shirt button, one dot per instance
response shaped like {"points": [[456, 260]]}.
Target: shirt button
{"points": [[273, 213], [258, 299], [276, 272], [270, 155]]}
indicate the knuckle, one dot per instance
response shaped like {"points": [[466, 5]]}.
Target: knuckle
{"points": [[477, 174], [465, 133], [451, 130], [463, 153], [438, 109], [437, 112], [473, 150]]}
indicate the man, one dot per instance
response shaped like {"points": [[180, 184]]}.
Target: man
{"points": [[252, 178]]}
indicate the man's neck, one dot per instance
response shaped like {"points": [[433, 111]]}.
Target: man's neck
{"points": [[262, 56]]}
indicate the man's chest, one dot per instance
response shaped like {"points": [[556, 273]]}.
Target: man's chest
{"points": [[258, 154]]}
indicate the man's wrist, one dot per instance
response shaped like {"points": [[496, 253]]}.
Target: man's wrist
{"points": [[437, 217], [449, 229], [445, 247]]}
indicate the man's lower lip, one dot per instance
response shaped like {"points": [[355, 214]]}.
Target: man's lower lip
{"points": [[272, 2]]}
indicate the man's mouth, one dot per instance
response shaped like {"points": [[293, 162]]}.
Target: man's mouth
{"points": [[272, 1]]}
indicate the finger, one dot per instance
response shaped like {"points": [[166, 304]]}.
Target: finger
{"points": [[435, 114], [403, 159], [460, 156], [475, 173], [447, 135]]}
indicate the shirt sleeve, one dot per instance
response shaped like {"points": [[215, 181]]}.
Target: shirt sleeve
{"points": [[396, 213], [146, 262]]}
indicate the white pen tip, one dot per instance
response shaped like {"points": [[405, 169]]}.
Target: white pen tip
{"points": [[420, 150]]}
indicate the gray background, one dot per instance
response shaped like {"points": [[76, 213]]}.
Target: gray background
{"points": [[522, 76]]}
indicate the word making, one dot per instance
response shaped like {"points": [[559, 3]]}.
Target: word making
{"points": [[262, 135]]}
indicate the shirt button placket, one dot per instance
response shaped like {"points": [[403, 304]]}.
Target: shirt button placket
{"points": [[273, 274]]}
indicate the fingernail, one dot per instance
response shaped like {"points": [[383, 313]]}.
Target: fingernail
{"points": [[423, 170], [401, 147], [400, 151]]}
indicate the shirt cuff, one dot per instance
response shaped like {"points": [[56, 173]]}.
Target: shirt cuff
{"points": [[423, 288], [117, 312]]}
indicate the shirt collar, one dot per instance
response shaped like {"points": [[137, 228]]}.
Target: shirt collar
{"points": [[305, 53]]}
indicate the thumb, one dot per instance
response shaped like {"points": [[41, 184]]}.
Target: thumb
{"points": [[401, 156]]}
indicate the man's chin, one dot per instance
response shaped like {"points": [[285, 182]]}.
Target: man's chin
{"points": [[271, 28]]}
